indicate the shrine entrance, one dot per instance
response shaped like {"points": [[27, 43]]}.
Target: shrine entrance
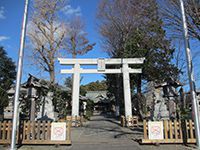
{"points": [[102, 68]]}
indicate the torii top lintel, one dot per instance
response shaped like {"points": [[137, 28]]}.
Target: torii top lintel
{"points": [[101, 65], [65, 61]]}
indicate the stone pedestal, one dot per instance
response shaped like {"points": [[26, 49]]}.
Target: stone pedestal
{"points": [[160, 111]]}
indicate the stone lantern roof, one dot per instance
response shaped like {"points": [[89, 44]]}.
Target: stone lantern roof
{"points": [[35, 83], [170, 82]]}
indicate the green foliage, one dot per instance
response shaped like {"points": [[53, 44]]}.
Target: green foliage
{"points": [[157, 52], [25, 105], [185, 114], [82, 91], [4, 99], [68, 82], [95, 86], [61, 101], [89, 109], [7, 76]]}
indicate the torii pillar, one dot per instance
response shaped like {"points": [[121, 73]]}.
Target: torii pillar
{"points": [[76, 90], [127, 91]]}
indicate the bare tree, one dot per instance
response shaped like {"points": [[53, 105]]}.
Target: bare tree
{"points": [[76, 42], [132, 28], [118, 20], [46, 33], [171, 14]]}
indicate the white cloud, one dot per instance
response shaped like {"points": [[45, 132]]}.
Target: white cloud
{"points": [[69, 10], [2, 16], [2, 38]]}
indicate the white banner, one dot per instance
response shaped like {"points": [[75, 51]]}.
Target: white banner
{"points": [[155, 129], [58, 131]]}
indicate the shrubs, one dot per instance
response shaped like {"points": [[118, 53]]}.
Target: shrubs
{"points": [[89, 109]]}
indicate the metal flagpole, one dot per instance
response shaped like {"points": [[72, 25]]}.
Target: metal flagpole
{"points": [[191, 77], [18, 78]]}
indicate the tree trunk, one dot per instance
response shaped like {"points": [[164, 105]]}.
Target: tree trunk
{"points": [[119, 94], [52, 75], [139, 84], [182, 101], [1, 113], [141, 104], [118, 110]]}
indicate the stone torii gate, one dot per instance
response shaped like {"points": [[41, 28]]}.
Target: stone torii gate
{"points": [[101, 68]]}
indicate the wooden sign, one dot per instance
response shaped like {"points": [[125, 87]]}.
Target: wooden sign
{"points": [[58, 131], [101, 64], [155, 129]]}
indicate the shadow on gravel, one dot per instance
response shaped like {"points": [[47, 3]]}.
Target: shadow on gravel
{"points": [[119, 131], [109, 120], [137, 129]]}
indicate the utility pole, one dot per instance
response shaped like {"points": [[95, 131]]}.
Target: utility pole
{"points": [[18, 79], [195, 105]]}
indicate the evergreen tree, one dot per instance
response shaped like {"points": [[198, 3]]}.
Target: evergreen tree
{"points": [[133, 29], [95, 86], [7, 77]]}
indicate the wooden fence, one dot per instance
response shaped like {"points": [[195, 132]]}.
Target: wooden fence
{"points": [[5, 132], [175, 131], [130, 122], [76, 121], [36, 132], [190, 131]]}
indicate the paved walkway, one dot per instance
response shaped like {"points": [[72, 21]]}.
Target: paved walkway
{"points": [[101, 133], [105, 133]]}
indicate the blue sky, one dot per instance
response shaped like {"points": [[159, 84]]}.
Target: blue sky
{"points": [[11, 13]]}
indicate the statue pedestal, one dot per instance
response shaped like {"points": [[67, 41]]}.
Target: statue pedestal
{"points": [[160, 111]]}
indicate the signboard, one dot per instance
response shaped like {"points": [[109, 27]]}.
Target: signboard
{"points": [[155, 129], [58, 131], [101, 64]]}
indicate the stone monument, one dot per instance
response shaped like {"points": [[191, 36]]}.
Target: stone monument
{"points": [[47, 108], [160, 107]]}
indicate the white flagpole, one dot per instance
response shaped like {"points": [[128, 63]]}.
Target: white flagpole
{"points": [[18, 79], [195, 104]]}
